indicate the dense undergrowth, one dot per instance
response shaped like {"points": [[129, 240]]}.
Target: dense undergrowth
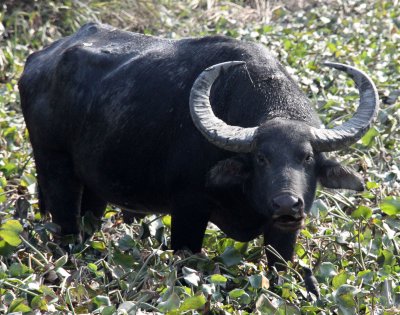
{"points": [[351, 241]]}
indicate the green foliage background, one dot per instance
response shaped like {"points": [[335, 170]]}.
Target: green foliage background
{"points": [[351, 241]]}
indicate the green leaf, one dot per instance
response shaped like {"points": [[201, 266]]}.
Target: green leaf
{"points": [[267, 28], [108, 310], [190, 276], [218, 279], [259, 281], [231, 256], [128, 307], [318, 208], [236, 293], [124, 260], [367, 276], [386, 257], [19, 305], [240, 295], [101, 300], [372, 185], [391, 205], [306, 234], [287, 291], [172, 303], [109, 214], [362, 212], [99, 245], [18, 269], [332, 47], [3, 197], [61, 261], [368, 138], [8, 169], [264, 305], [39, 302], [52, 227], [92, 267], [6, 249], [166, 220], [344, 296], [10, 231], [241, 247], [339, 279], [126, 242], [193, 303], [310, 309], [326, 270], [286, 308], [390, 234]]}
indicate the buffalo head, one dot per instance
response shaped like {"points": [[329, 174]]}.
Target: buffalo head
{"points": [[280, 162]]}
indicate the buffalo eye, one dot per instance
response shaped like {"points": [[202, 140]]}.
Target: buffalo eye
{"points": [[308, 158], [261, 159]]}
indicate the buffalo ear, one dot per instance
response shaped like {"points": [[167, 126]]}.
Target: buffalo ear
{"points": [[333, 175], [227, 173]]}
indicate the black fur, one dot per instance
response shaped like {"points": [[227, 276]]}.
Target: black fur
{"points": [[108, 117]]}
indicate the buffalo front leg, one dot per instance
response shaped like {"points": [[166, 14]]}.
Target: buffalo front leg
{"points": [[60, 190], [189, 221], [283, 242]]}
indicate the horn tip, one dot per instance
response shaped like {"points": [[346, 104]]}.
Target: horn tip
{"points": [[226, 65], [235, 63], [335, 65]]}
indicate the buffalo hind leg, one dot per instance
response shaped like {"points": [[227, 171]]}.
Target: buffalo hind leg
{"points": [[42, 206], [189, 221], [92, 209], [60, 191]]}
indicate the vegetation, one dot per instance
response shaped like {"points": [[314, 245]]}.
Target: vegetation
{"points": [[351, 241]]}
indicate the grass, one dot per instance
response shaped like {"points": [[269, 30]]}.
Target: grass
{"points": [[351, 241]]}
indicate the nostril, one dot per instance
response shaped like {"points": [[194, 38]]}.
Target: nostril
{"points": [[275, 204], [287, 203], [298, 205]]}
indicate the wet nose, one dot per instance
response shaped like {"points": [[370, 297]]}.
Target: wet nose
{"points": [[287, 205]]}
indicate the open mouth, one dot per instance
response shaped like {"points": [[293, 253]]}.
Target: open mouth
{"points": [[288, 222]]}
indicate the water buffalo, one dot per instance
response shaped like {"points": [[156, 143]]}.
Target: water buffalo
{"points": [[206, 129]]}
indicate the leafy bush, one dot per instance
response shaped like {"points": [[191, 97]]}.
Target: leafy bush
{"points": [[351, 241]]}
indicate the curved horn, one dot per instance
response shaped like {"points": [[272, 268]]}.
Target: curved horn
{"points": [[232, 138], [352, 130]]}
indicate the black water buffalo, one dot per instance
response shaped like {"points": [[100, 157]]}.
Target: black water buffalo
{"points": [[206, 129]]}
